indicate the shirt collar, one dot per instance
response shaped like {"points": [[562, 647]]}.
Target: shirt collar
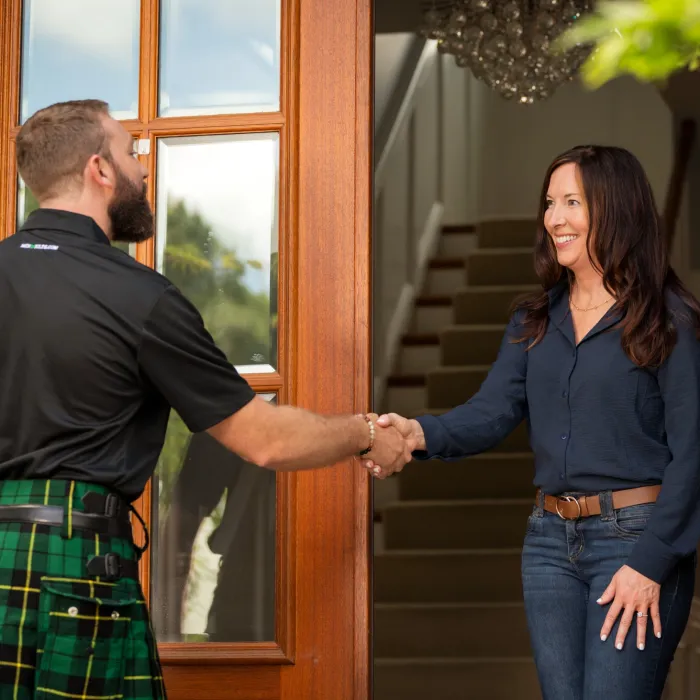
{"points": [[559, 301], [559, 312], [67, 222]]}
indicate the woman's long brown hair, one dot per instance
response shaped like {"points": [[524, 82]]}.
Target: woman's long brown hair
{"points": [[627, 240]]}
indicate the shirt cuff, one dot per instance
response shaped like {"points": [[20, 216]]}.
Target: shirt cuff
{"points": [[434, 435], [652, 558]]}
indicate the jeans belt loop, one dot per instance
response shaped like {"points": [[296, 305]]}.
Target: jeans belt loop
{"points": [[607, 512]]}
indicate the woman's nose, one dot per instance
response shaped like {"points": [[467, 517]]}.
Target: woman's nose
{"points": [[558, 218]]}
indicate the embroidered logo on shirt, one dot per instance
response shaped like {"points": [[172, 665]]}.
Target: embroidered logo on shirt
{"points": [[39, 246]]}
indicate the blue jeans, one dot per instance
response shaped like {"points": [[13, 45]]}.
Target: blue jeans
{"points": [[566, 567]]}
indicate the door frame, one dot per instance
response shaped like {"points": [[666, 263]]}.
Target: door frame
{"points": [[333, 556]]}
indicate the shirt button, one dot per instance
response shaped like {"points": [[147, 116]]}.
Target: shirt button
{"points": [[563, 436], [561, 476], [564, 394]]}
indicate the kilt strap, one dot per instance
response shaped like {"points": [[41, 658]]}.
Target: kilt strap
{"points": [[55, 515], [112, 567]]}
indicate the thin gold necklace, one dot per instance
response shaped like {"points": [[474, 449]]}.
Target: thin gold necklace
{"points": [[590, 308]]}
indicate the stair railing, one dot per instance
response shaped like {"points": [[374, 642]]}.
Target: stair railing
{"points": [[408, 202]]}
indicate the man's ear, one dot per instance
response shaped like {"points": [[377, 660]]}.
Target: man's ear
{"points": [[100, 171]]}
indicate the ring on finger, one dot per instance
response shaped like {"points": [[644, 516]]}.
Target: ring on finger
{"points": [[642, 614]]}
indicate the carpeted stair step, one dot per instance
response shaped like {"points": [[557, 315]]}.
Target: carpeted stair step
{"points": [[474, 344], [510, 266], [405, 393], [487, 303], [457, 242], [450, 630], [457, 576], [507, 234], [490, 475], [420, 352], [445, 276], [459, 524], [432, 313], [512, 678], [452, 386]]}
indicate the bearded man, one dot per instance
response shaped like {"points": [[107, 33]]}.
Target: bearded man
{"points": [[96, 350]]}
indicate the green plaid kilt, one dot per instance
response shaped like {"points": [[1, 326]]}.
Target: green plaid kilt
{"points": [[62, 633]]}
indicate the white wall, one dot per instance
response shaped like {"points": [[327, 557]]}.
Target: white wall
{"points": [[389, 51], [426, 150], [459, 161], [516, 142], [494, 153]]}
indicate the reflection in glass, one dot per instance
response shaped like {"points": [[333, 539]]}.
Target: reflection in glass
{"points": [[216, 240], [219, 57], [214, 543], [78, 49], [26, 202]]}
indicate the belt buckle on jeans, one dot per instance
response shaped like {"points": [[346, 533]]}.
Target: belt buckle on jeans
{"points": [[569, 499]]}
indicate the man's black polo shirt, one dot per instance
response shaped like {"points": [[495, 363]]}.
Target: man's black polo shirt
{"points": [[96, 349]]}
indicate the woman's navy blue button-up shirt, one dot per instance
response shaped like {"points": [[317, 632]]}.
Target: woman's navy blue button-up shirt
{"points": [[596, 421]]}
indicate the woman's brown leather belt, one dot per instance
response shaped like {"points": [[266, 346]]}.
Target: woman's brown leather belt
{"points": [[573, 508]]}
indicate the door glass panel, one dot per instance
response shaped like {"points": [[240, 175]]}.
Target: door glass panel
{"points": [[213, 547], [216, 239], [219, 57], [79, 49], [26, 202]]}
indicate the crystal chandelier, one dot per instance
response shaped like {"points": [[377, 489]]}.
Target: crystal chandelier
{"points": [[507, 43]]}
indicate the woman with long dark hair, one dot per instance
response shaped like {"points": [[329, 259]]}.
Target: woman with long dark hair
{"points": [[604, 364]]}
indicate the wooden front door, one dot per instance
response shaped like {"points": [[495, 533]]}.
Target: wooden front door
{"points": [[254, 119]]}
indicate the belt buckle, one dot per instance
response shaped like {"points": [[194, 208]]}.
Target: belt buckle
{"points": [[568, 499]]}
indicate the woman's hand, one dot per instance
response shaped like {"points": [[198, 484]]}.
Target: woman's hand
{"points": [[635, 596], [412, 434]]}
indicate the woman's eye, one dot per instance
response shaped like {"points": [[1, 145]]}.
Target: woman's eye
{"points": [[548, 203], [573, 202]]}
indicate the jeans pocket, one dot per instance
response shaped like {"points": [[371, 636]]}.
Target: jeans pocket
{"points": [[83, 628], [630, 522]]}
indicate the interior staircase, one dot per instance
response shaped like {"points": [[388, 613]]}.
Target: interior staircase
{"points": [[449, 618]]}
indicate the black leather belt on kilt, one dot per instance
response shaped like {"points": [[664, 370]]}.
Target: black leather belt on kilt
{"points": [[56, 515], [106, 515]]}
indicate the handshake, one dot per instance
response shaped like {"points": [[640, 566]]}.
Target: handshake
{"points": [[395, 438]]}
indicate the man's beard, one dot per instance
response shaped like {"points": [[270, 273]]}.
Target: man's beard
{"points": [[130, 213]]}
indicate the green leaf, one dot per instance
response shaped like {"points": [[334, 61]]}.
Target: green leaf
{"points": [[650, 39]]}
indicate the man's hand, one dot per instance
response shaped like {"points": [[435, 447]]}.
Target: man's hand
{"points": [[412, 434], [390, 448], [633, 595]]}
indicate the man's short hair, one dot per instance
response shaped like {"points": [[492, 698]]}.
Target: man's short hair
{"points": [[55, 144]]}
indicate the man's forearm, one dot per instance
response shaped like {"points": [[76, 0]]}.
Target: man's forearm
{"points": [[304, 440]]}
